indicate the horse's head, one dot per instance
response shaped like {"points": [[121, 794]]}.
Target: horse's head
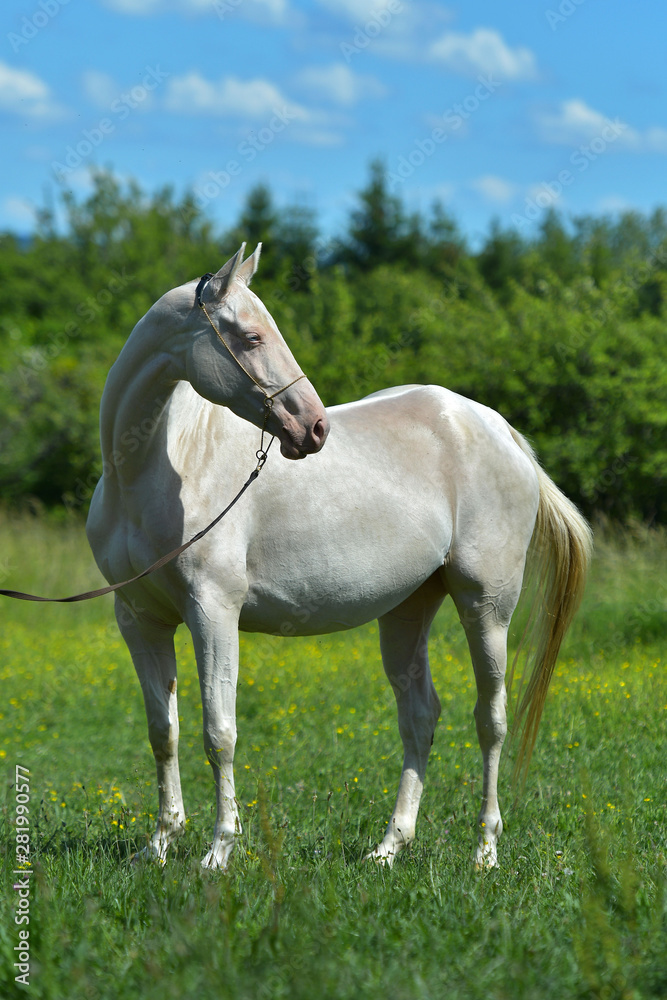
{"points": [[239, 359]]}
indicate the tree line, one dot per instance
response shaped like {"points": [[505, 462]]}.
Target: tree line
{"points": [[563, 331]]}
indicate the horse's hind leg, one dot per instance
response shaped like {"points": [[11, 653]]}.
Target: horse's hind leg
{"points": [[485, 617], [488, 649], [404, 645], [152, 650]]}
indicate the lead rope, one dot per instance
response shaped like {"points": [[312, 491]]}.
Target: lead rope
{"points": [[261, 454]]}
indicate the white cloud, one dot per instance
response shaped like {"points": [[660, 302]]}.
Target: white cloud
{"points": [[655, 139], [81, 180], [192, 94], [18, 211], [99, 88], [317, 137], [273, 10], [484, 51], [400, 30], [445, 191], [104, 93], [134, 6], [39, 154], [357, 11], [259, 101], [23, 93], [613, 203], [575, 123], [545, 195], [142, 7], [340, 84], [257, 10], [493, 188]]}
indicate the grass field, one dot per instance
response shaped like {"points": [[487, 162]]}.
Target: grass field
{"points": [[577, 909]]}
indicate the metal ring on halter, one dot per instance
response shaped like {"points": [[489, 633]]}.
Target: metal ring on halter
{"points": [[263, 453]]}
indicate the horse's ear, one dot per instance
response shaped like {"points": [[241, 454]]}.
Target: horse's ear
{"points": [[247, 269], [221, 281]]}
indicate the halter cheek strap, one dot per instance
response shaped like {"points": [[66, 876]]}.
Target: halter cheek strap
{"points": [[203, 281], [268, 398]]}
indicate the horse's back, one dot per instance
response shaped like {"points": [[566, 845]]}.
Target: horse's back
{"points": [[466, 431]]}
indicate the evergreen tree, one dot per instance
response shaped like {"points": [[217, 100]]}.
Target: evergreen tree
{"points": [[379, 231], [296, 243], [501, 261], [556, 248]]}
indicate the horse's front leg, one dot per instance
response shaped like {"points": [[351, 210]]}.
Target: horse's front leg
{"points": [[152, 649], [215, 637]]}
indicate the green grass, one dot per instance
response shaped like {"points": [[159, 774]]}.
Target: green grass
{"points": [[577, 910]]}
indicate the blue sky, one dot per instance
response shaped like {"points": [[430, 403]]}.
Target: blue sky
{"points": [[496, 109]]}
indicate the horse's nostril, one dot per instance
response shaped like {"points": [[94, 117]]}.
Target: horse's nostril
{"points": [[319, 432]]}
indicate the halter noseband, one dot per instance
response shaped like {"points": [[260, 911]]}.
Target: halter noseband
{"points": [[268, 399]]}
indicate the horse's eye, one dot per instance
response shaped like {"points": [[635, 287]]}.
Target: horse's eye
{"points": [[253, 338]]}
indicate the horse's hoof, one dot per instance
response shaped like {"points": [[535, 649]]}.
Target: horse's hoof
{"points": [[381, 860], [212, 863], [486, 861]]}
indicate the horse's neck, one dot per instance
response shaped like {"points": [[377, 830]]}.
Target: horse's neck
{"points": [[138, 389]]}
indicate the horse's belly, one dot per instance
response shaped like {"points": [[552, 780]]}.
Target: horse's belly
{"points": [[331, 586], [312, 612]]}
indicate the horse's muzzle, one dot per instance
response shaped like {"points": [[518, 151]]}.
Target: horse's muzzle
{"points": [[295, 446]]}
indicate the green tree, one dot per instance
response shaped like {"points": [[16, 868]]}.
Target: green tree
{"points": [[379, 231], [556, 248], [502, 260]]}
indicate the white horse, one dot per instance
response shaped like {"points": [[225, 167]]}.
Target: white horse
{"points": [[419, 493]]}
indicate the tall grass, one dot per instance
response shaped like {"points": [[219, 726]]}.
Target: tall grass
{"points": [[48, 556]]}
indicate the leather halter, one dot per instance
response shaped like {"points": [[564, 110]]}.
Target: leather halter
{"points": [[268, 398]]}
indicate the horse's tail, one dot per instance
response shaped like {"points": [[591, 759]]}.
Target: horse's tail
{"points": [[562, 547]]}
